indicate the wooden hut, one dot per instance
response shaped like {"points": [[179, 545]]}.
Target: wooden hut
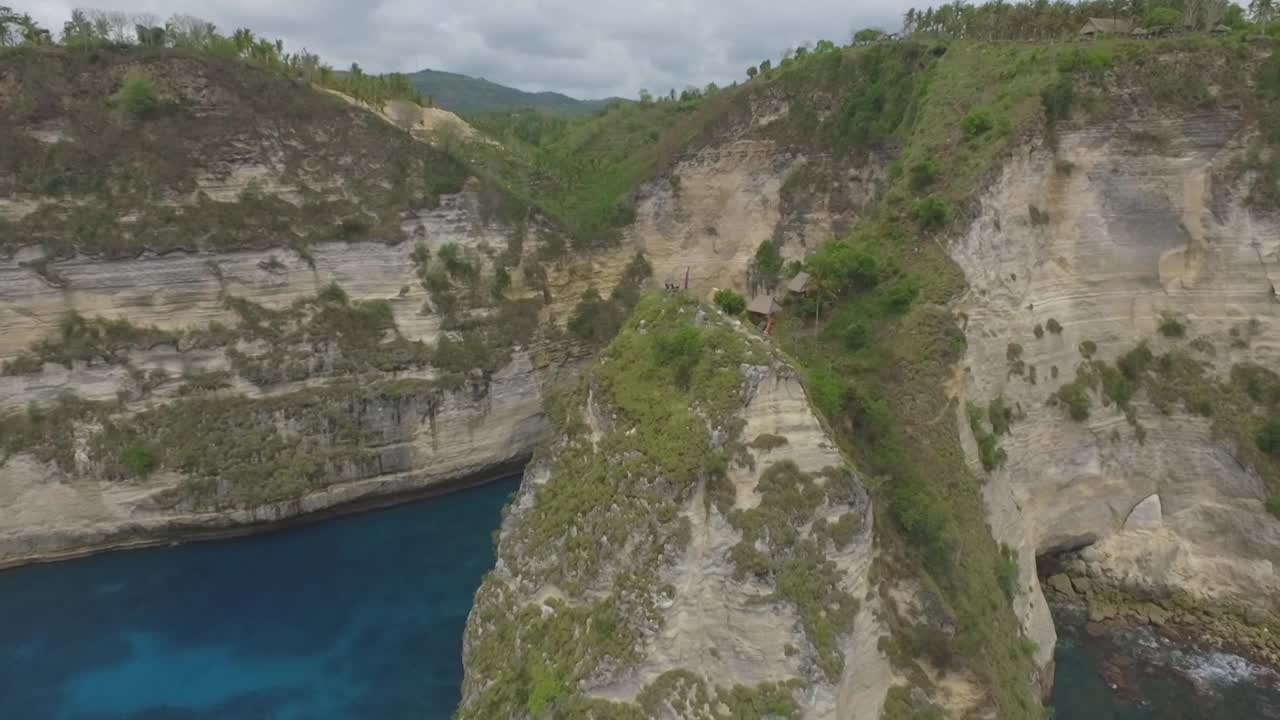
{"points": [[762, 308], [1095, 27], [800, 284]]}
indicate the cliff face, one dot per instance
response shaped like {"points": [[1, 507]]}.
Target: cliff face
{"points": [[315, 295], [709, 213], [1134, 234], [429, 331], [416, 424], [690, 542]]}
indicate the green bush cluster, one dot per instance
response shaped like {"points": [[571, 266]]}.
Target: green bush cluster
{"points": [[137, 97], [1162, 17], [1074, 396], [923, 175], [990, 453], [931, 213], [978, 123], [730, 302], [1171, 327]]}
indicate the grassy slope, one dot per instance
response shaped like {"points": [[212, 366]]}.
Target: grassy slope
{"points": [[584, 172], [355, 173], [465, 94]]}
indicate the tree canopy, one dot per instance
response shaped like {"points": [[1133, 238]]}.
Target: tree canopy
{"points": [[87, 29], [1045, 19]]}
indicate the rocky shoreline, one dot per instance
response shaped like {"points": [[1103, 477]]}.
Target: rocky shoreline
{"points": [[204, 527], [1245, 631]]}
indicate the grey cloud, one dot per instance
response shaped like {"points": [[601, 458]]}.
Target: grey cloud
{"points": [[586, 48]]}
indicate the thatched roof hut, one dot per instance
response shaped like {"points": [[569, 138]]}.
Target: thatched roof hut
{"points": [[1107, 26], [763, 305], [799, 283]]}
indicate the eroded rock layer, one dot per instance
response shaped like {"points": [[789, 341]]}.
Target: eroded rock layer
{"points": [[1117, 286]]}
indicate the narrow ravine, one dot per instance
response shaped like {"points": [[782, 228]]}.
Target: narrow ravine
{"points": [[356, 617]]}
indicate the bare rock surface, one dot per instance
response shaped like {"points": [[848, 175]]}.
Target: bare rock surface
{"points": [[1099, 243]]}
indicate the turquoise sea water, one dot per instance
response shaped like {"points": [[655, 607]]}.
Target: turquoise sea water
{"points": [[361, 618], [356, 617], [1132, 673]]}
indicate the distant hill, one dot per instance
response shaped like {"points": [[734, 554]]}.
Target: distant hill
{"points": [[465, 94]]}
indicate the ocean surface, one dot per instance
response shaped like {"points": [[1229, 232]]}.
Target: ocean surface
{"points": [[1132, 673], [361, 617], [350, 618]]}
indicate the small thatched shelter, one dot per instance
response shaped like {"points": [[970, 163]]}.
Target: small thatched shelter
{"points": [[799, 284], [762, 307], [1106, 26]]}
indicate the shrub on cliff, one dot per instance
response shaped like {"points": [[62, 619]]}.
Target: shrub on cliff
{"points": [[978, 123], [923, 174], [1170, 327], [140, 460], [1269, 437], [680, 352], [137, 96], [856, 335], [730, 302], [931, 213], [1074, 397]]}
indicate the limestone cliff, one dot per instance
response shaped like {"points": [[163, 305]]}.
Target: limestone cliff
{"points": [[322, 298], [1134, 234], [322, 259], [690, 543]]}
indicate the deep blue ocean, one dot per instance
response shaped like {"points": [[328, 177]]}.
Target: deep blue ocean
{"points": [[356, 617], [361, 617]]}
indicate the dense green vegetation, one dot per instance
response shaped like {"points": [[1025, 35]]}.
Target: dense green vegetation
{"points": [[1061, 19], [89, 31], [585, 171], [660, 390], [468, 95]]}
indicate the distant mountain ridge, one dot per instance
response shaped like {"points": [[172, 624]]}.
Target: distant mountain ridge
{"points": [[465, 94]]}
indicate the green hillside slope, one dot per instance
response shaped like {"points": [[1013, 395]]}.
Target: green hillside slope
{"points": [[465, 94]]}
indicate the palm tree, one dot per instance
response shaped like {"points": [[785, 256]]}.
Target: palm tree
{"points": [[1262, 12], [243, 40], [8, 19], [32, 34]]}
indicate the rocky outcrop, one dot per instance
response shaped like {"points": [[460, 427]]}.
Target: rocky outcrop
{"points": [[1132, 232], [455, 431], [708, 214], [424, 442], [676, 583]]}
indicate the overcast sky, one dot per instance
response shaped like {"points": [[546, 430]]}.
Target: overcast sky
{"points": [[586, 48]]}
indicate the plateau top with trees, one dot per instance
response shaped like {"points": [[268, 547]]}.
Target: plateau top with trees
{"points": [[89, 29]]}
